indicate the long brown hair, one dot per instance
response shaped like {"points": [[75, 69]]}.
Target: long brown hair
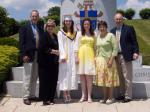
{"points": [[90, 30], [71, 28]]}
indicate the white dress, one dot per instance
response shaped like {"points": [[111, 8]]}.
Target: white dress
{"points": [[67, 71]]}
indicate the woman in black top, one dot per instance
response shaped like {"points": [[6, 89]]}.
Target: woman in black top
{"points": [[48, 64]]}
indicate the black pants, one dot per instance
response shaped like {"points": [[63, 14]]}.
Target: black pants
{"points": [[48, 77]]}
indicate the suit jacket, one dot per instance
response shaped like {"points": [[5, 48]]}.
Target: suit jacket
{"points": [[27, 41], [128, 42], [47, 43]]}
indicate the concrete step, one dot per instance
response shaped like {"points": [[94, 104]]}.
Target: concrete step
{"points": [[140, 90], [15, 88], [141, 83], [140, 74], [17, 73]]}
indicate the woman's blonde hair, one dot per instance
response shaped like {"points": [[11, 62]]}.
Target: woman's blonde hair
{"points": [[49, 21]]}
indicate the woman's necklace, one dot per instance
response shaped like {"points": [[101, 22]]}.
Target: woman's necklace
{"points": [[88, 34]]}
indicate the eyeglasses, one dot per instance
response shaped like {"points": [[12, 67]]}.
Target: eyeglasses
{"points": [[50, 26]]}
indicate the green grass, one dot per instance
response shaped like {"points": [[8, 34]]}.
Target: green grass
{"points": [[16, 36], [142, 28]]}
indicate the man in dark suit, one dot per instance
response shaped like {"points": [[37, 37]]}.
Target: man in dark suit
{"points": [[128, 51], [29, 41]]}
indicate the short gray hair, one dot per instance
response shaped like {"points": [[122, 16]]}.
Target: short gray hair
{"points": [[34, 10]]}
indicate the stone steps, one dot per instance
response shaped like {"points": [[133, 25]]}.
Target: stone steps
{"points": [[140, 90], [141, 82], [15, 88], [17, 73]]}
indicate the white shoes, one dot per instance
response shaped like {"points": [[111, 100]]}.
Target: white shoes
{"points": [[102, 101], [108, 101]]}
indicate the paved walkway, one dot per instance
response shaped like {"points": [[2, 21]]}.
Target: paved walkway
{"points": [[8, 104]]}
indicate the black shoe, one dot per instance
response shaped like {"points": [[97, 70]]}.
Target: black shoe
{"points": [[52, 102], [27, 101], [46, 103], [34, 98], [126, 100], [120, 97]]}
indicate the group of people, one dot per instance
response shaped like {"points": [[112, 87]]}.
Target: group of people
{"points": [[59, 59]]}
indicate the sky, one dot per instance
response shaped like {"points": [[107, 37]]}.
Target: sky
{"points": [[20, 9]]}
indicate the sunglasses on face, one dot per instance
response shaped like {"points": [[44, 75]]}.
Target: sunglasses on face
{"points": [[50, 26]]}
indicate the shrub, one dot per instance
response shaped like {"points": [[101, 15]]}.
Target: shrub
{"points": [[129, 13], [8, 58], [145, 13], [23, 22], [9, 41], [8, 26]]}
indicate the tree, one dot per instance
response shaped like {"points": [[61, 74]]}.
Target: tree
{"points": [[145, 13], [3, 16], [3, 19], [129, 13], [8, 26], [54, 13], [3, 12], [54, 17], [120, 11], [12, 25], [23, 22]]}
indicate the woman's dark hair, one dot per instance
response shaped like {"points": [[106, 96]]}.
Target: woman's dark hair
{"points": [[65, 27], [103, 23], [90, 30]]}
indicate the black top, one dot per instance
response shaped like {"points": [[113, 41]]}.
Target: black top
{"points": [[128, 42], [47, 43]]}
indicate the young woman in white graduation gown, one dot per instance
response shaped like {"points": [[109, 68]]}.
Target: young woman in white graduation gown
{"points": [[67, 70]]}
